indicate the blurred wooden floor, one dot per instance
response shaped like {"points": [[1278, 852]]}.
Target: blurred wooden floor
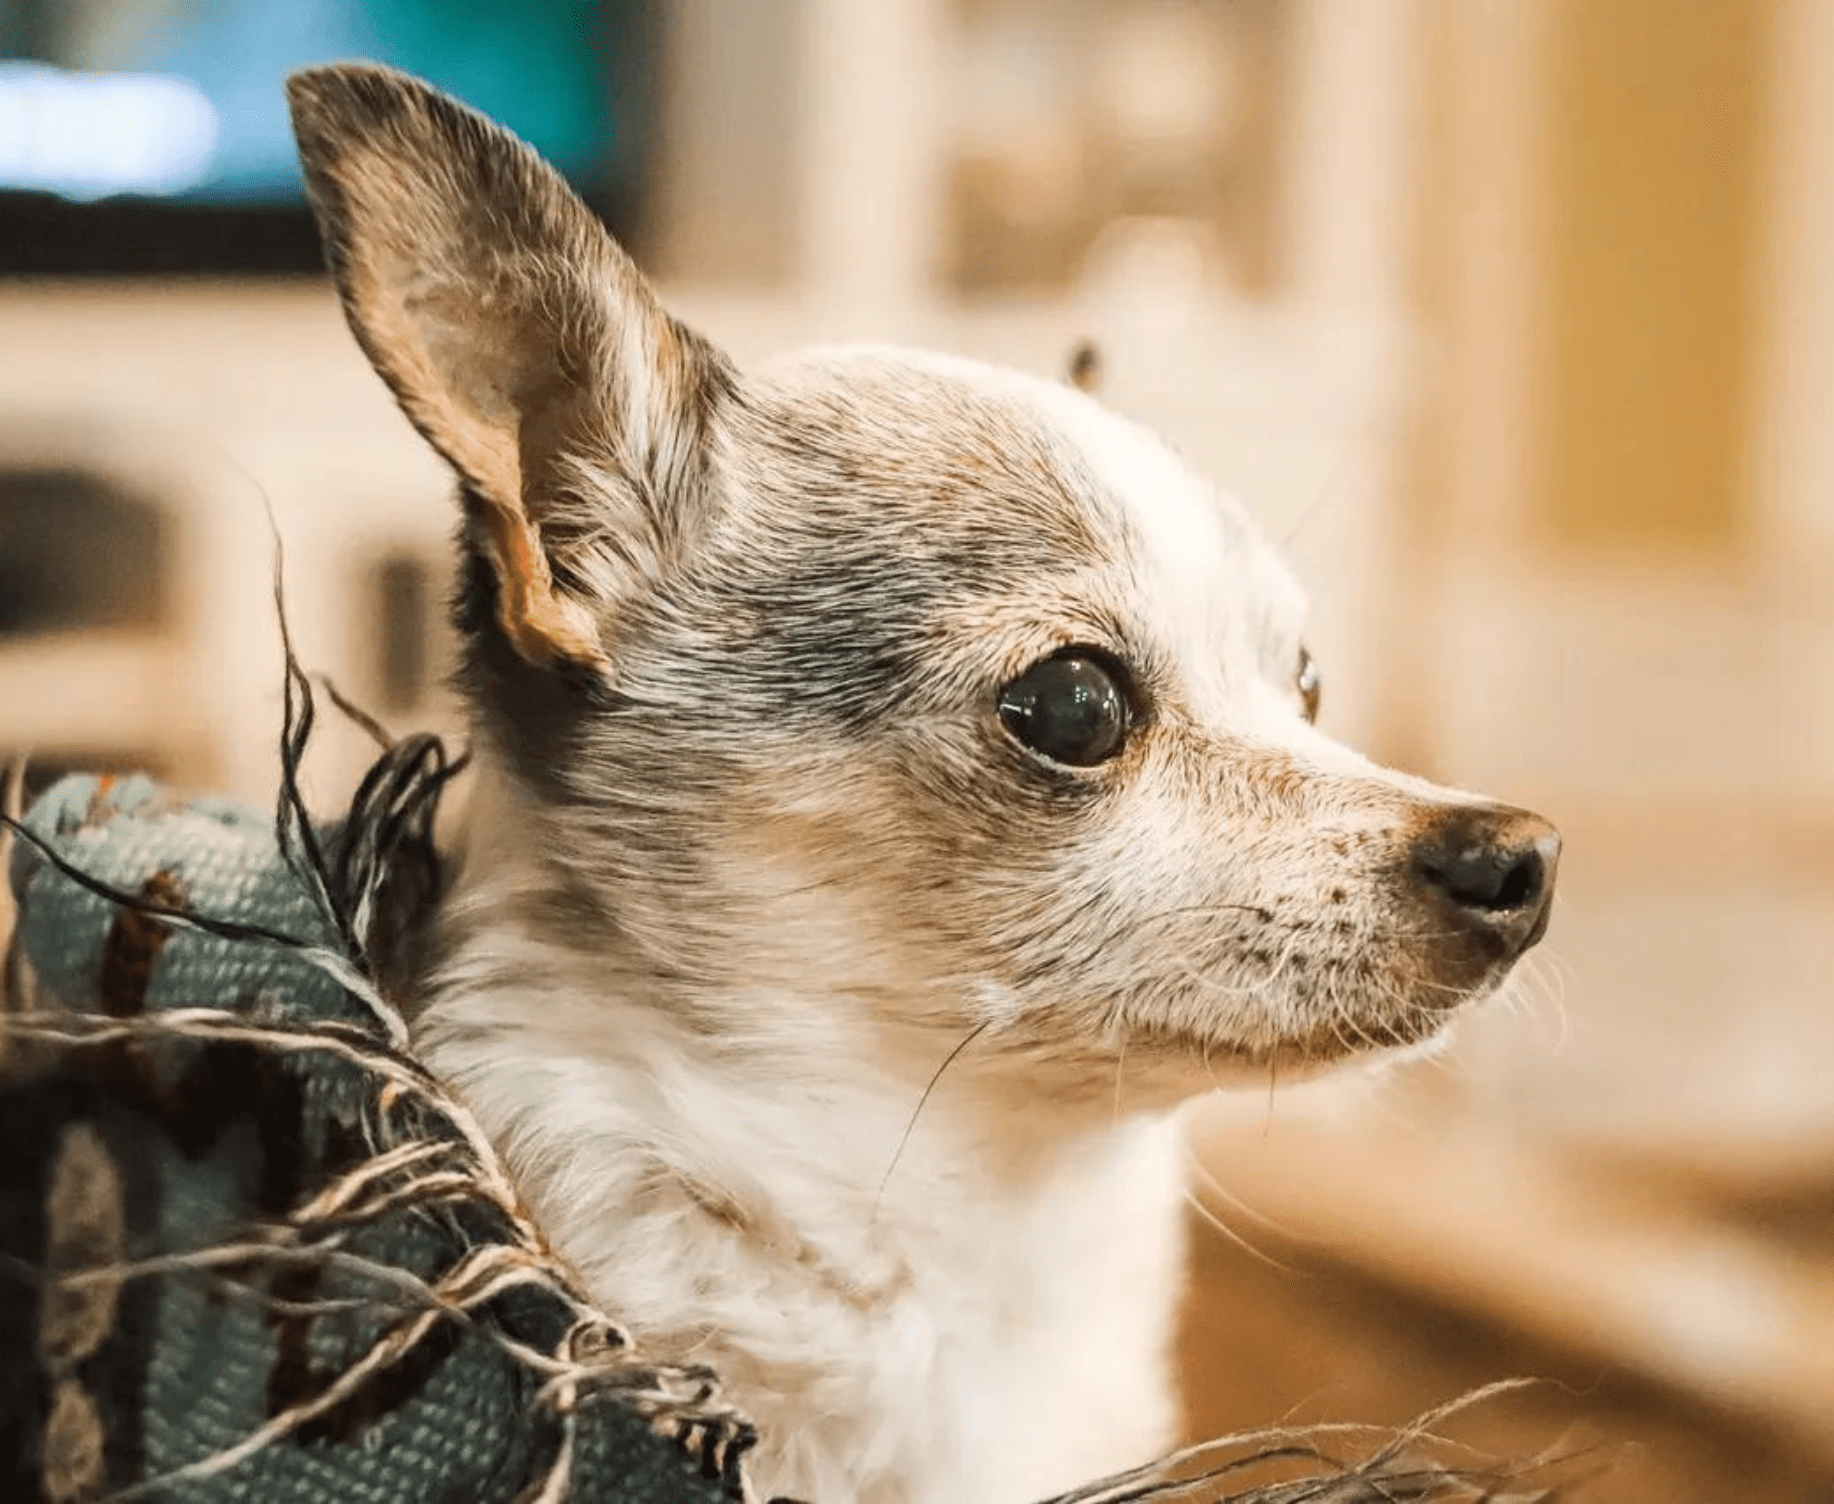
{"points": [[1290, 1333]]}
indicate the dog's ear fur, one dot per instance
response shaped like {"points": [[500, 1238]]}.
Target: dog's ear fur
{"points": [[518, 338]]}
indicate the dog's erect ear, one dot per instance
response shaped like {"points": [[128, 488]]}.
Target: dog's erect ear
{"points": [[517, 337], [1084, 370]]}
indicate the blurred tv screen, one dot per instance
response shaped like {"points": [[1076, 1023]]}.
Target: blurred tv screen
{"points": [[145, 136]]}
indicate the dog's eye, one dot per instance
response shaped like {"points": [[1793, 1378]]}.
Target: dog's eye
{"points": [[1069, 707], [1310, 684]]}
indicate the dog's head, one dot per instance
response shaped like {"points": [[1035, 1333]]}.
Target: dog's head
{"points": [[937, 696]]}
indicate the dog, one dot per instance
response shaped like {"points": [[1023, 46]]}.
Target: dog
{"points": [[897, 792]]}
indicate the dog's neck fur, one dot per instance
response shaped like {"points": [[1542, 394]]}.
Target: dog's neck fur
{"points": [[771, 1203]]}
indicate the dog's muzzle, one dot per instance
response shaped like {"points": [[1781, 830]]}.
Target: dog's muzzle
{"points": [[1488, 872]]}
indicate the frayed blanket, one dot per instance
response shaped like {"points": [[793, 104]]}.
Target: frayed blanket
{"points": [[253, 1251]]}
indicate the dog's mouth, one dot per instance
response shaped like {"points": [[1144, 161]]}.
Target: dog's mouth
{"points": [[1413, 1013], [1175, 1057], [1330, 1043], [1324, 1035], [1352, 1037]]}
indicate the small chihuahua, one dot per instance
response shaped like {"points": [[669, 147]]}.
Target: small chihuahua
{"points": [[868, 733]]}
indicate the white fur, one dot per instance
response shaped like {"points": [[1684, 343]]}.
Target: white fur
{"points": [[984, 1314]]}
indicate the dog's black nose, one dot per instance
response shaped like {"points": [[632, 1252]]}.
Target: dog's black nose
{"points": [[1492, 868]]}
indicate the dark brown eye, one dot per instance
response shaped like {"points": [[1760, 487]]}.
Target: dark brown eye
{"points": [[1310, 684], [1069, 707]]}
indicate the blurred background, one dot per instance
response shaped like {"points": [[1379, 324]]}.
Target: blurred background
{"points": [[1513, 318]]}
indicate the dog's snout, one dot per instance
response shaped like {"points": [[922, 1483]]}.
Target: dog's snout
{"points": [[1493, 868]]}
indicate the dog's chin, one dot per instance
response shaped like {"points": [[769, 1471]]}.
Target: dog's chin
{"points": [[1393, 1036], [1349, 1042], [1346, 1040]]}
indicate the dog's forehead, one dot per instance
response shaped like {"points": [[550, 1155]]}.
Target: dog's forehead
{"points": [[942, 444], [1199, 555], [1033, 476]]}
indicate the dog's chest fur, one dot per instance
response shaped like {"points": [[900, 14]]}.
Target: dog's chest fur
{"points": [[981, 1320]]}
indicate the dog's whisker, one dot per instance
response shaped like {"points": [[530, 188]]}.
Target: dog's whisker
{"points": [[1273, 1088], [1213, 1219], [1539, 987], [1216, 986], [1202, 1204], [929, 1088], [1120, 1065], [1209, 1065]]}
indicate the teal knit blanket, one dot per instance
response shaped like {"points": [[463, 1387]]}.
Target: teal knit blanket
{"points": [[251, 1250]]}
